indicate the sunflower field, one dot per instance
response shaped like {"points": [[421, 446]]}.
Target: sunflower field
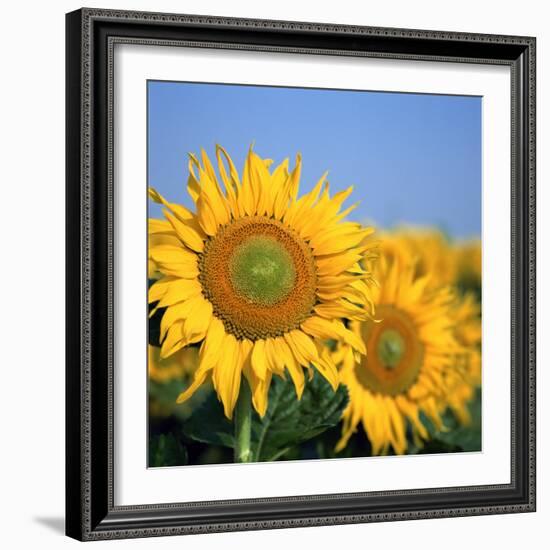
{"points": [[280, 329]]}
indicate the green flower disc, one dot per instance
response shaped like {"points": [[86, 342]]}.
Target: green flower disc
{"points": [[390, 348], [262, 270]]}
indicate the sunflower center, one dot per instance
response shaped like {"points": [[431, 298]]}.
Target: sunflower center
{"points": [[391, 348], [262, 270], [260, 277], [397, 352]]}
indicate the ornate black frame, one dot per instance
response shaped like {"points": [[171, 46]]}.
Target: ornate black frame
{"points": [[90, 511]]}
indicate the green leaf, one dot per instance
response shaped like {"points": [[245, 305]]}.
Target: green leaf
{"points": [[209, 425], [467, 438], [166, 450], [456, 437], [287, 422]]}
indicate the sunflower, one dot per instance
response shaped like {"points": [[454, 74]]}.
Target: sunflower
{"points": [[448, 262], [468, 264], [411, 346], [428, 247], [168, 376], [258, 276], [467, 318]]}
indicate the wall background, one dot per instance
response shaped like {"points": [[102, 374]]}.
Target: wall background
{"points": [[32, 277]]}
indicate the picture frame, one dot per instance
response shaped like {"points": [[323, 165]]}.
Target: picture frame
{"points": [[91, 510]]}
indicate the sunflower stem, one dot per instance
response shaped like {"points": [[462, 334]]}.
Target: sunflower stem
{"points": [[243, 424]]}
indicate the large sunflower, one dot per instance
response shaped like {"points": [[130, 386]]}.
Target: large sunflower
{"points": [[258, 276], [411, 346]]}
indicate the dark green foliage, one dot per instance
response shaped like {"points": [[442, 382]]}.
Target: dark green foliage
{"points": [[290, 430], [466, 438], [325, 444], [154, 326], [287, 422], [455, 438], [166, 393], [209, 425], [166, 450]]}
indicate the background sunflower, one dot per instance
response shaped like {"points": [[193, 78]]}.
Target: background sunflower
{"points": [[423, 354]]}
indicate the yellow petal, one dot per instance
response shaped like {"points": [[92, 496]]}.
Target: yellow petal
{"points": [[282, 350], [193, 185], [333, 283], [302, 346], [294, 369], [247, 199], [175, 260], [206, 364], [199, 378], [258, 359], [159, 288], [212, 207], [324, 213], [259, 181], [174, 340], [298, 212], [182, 213], [178, 312], [341, 308], [294, 180], [211, 347], [177, 290], [208, 168], [280, 193], [319, 328], [335, 264], [339, 241], [156, 227], [276, 361], [259, 389], [196, 324], [234, 174], [345, 212], [187, 233], [161, 239], [328, 369], [231, 182], [226, 376], [297, 375], [412, 413], [325, 329], [206, 216]]}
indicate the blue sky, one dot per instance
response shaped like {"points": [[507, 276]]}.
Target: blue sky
{"points": [[413, 159]]}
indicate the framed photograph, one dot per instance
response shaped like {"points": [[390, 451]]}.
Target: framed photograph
{"points": [[300, 274]]}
